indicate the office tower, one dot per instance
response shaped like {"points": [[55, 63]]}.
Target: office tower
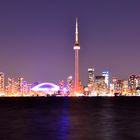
{"points": [[70, 84], [132, 84], [125, 87], [19, 85], [100, 84], [61, 85], [119, 86], [138, 85], [114, 84], [91, 79], [137, 81], [11, 86], [76, 49], [1, 82], [106, 75], [24, 87], [91, 75]]}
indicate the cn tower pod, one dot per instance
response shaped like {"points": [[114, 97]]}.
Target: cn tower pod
{"points": [[76, 47]]}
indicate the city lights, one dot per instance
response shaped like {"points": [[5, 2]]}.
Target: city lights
{"points": [[97, 85]]}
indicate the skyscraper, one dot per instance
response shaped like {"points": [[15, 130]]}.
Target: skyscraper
{"points": [[100, 84], [19, 85], [1, 82], [91, 76], [70, 84], [132, 84], [11, 86], [106, 75], [115, 85], [76, 49]]}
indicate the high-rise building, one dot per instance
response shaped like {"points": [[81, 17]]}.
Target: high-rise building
{"points": [[100, 84], [20, 85], [61, 85], [70, 84], [24, 87], [106, 75], [132, 84], [114, 84], [117, 85], [125, 87], [91, 76], [1, 82], [91, 79], [11, 86], [138, 86], [76, 49], [120, 86], [137, 81]]}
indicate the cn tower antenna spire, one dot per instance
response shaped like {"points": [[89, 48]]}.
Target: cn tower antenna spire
{"points": [[76, 33]]}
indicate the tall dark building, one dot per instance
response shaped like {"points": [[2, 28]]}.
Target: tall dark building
{"points": [[91, 76], [132, 81]]}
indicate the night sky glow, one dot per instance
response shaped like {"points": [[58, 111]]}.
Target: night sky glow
{"points": [[37, 38]]}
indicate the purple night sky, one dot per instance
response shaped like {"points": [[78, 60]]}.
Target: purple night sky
{"points": [[37, 38]]}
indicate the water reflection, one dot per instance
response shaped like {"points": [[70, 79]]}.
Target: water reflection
{"points": [[70, 119]]}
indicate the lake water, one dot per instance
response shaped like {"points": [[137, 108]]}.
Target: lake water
{"points": [[64, 118]]}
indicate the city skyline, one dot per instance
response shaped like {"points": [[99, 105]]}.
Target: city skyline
{"points": [[37, 41]]}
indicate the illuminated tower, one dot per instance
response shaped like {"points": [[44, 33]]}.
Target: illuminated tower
{"points": [[76, 49]]}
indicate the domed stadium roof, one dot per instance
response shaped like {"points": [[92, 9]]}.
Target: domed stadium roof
{"points": [[46, 87]]}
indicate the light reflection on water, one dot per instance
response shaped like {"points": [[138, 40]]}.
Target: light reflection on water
{"points": [[70, 118]]}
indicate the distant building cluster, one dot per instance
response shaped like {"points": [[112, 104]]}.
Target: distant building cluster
{"points": [[104, 85], [98, 85], [20, 87], [14, 88]]}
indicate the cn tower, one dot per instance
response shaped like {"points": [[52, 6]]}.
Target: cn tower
{"points": [[76, 49]]}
